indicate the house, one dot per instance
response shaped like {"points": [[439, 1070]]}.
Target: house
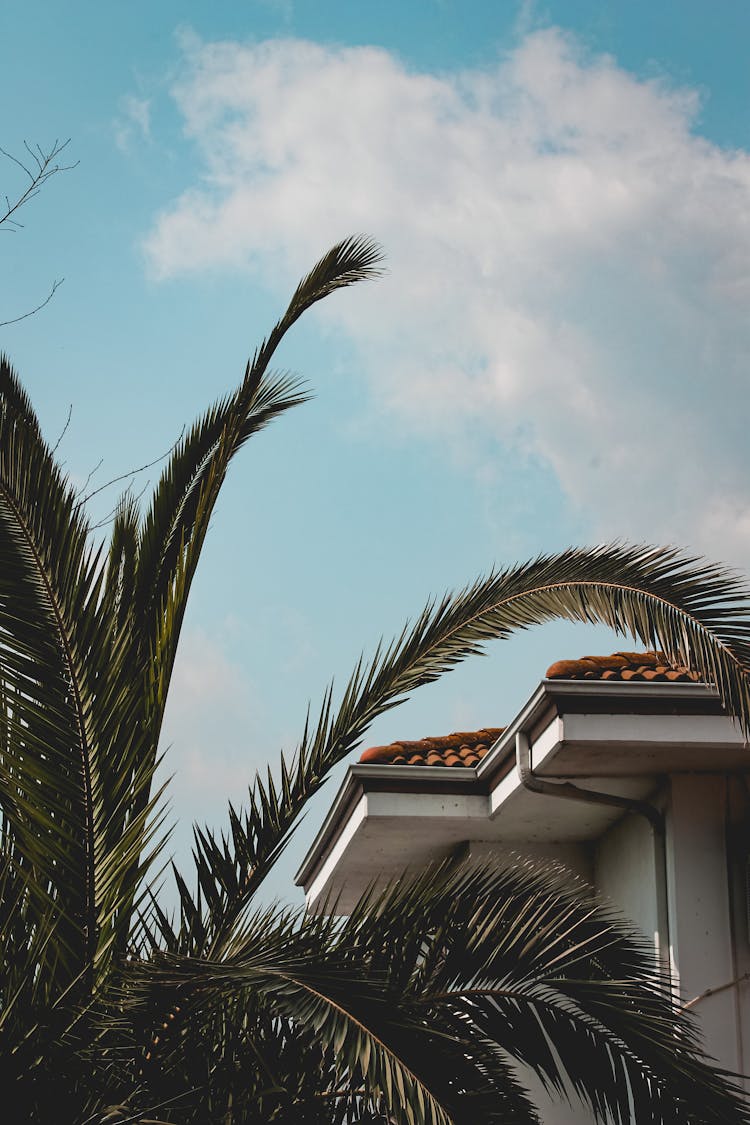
{"points": [[626, 770]]}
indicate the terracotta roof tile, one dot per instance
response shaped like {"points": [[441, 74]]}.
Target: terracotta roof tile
{"points": [[467, 748], [462, 748], [640, 666]]}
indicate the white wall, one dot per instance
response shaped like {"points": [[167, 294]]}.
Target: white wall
{"points": [[707, 932], [629, 870]]}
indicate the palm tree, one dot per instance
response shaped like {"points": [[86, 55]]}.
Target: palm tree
{"points": [[416, 1008]]}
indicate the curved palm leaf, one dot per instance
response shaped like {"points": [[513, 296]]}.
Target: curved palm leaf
{"points": [[49, 586], [171, 537], [532, 960], [429, 991], [299, 969], [696, 613], [175, 526]]}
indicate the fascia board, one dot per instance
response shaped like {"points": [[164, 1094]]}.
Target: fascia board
{"points": [[327, 828], [549, 690], [358, 776], [345, 835]]}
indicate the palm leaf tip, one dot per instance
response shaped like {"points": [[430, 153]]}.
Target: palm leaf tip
{"points": [[357, 258], [13, 395]]}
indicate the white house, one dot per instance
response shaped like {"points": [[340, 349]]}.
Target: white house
{"points": [[626, 770]]}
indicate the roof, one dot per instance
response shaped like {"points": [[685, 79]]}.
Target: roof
{"points": [[462, 748], [467, 748], [640, 666]]}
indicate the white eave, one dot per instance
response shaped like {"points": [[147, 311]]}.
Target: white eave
{"points": [[386, 818]]}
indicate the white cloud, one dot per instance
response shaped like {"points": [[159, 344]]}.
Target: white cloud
{"points": [[210, 730], [570, 262]]}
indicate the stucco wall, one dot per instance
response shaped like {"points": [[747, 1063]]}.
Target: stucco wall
{"points": [[629, 870], [708, 942]]}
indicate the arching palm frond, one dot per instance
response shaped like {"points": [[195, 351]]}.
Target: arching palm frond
{"points": [[697, 614], [534, 962], [176, 524], [432, 991], [171, 537], [329, 990]]}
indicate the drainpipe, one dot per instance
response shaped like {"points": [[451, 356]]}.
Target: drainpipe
{"points": [[530, 781]]}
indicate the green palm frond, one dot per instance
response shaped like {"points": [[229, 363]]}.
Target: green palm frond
{"points": [[49, 586], [554, 978], [697, 614], [434, 989], [184, 500], [299, 968], [71, 761], [14, 396]]}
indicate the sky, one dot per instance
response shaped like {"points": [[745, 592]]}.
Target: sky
{"points": [[557, 354]]}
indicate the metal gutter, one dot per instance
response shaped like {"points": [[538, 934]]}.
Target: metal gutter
{"points": [[549, 690], [464, 775], [570, 792]]}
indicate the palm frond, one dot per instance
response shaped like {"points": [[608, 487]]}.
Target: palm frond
{"points": [[151, 569], [187, 492], [697, 614], [14, 396], [49, 586], [72, 771], [527, 957], [299, 969], [433, 990]]}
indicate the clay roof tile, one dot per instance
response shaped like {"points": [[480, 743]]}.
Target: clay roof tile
{"points": [[467, 748], [463, 748], [643, 666]]}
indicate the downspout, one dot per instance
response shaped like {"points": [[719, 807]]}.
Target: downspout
{"points": [[565, 789]]}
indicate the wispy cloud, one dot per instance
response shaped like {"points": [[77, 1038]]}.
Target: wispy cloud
{"points": [[570, 261], [211, 729], [133, 125]]}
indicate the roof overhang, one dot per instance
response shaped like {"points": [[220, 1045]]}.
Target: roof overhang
{"points": [[621, 737]]}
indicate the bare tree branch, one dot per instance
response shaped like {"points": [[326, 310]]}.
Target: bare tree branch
{"points": [[110, 516], [14, 320], [38, 166], [131, 473], [56, 446], [95, 469]]}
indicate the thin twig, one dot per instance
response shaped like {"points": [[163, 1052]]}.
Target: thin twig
{"points": [[64, 430], [44, 170], [14, 320], [39, 168], [132, 473], [110, 517], [95, 469]]}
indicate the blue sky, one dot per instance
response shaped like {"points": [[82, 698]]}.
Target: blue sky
{"points": [[557, 355]]}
